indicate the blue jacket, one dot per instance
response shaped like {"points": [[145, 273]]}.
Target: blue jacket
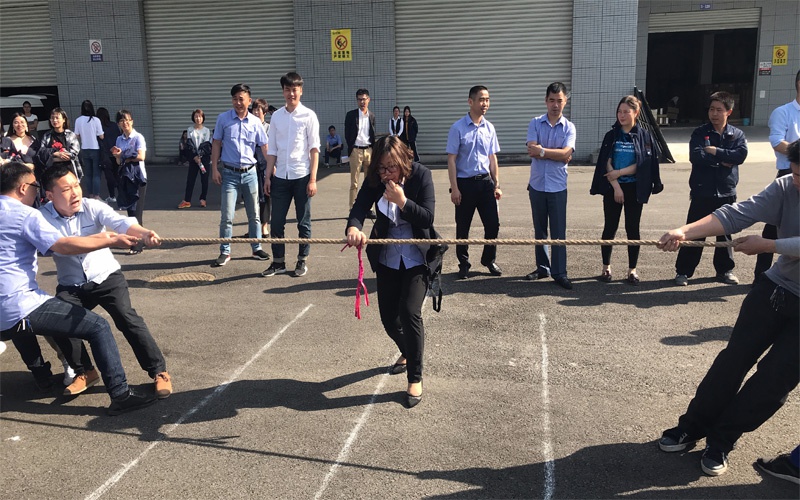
{"points": [[709, 177], [648, 174]]}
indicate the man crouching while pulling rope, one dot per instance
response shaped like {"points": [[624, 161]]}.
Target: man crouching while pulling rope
{"points": [[25, 310], [95, 278], [723, 409]]}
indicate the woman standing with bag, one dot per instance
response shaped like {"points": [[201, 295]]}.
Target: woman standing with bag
{"points": [[198, 151], [626, 173], [403, 194], [409, 133], [90, 132], [59, 146]]}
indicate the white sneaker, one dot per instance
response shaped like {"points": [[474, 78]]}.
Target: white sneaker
{"points": [[69, 373], [2, 347]]}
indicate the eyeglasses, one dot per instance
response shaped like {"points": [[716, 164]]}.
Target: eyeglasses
{"points": [[363, 99], [34, 184], [390, 169]]}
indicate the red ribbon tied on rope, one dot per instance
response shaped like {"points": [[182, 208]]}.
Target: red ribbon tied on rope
{"points": [[360, 284]]}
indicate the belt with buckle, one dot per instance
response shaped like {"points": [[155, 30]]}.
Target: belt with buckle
{"points": [[361, 147], [237, 169], [480, 177]]}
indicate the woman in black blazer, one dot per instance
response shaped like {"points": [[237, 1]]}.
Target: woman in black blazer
{"points": [[403, 194]]}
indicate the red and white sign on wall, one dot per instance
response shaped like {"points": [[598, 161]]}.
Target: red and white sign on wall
{"points": [[96, 50]]}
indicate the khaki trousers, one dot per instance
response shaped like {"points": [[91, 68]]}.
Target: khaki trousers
{"points": [[358, 158]]}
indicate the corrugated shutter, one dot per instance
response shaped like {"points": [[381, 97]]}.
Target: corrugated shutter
{"points": [[26, 45], [515, 48], [198, 49], [704, 20]]}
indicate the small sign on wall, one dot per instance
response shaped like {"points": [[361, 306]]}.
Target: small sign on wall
{"points": [[341, 46], [764, 68], [780, 55], [705, 6], [96, 50]]}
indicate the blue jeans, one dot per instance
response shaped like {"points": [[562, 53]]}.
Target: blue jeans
{"points": [[550, 208], [234, 183], [282, 191], [90, 159], [58, 319]]}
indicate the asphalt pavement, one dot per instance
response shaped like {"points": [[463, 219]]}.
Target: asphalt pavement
{"points": [[530, 391]]}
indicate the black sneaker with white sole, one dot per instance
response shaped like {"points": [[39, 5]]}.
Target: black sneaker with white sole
{"points": [[714, 461], [131, 401], [780, 467], [260, 255], [300, 269], [676, 439], [274, 268], [223, 259]]}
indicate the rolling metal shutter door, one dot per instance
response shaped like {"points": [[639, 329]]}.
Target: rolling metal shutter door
{"points": [[26, 45], [515, 48], [198, 49], [704, 20]]}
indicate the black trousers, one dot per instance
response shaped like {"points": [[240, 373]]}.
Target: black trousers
{"points": [[400, 296], [477, 194], [764, 260], [191, 178], [689, 257], [723, 409], [612, 212], [113, 296]]}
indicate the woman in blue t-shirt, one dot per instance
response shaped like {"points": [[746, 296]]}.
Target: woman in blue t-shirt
{"points": [[626, 174]]}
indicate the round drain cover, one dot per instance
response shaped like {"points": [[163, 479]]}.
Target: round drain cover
{"points": [[181, 280]]}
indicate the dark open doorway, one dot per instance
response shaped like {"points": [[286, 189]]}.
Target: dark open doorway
{"points": [[684, 68]]}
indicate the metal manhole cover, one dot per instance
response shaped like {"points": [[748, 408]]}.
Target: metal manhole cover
{"points": [[181, 280]]}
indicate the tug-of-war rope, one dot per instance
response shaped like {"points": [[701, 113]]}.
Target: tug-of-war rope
{"points": [[442, 241]]}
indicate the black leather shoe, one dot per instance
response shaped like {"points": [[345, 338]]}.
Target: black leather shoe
{"points": [[134, 400], [564, 282], [398, 368], [463, 271], [494, 269], [536, 275], [413, 401]]}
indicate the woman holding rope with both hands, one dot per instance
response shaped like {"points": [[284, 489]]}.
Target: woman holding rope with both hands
{"points": [[403, 193]]}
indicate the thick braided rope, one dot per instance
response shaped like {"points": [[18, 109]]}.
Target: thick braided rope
{"points": [[445, 241]]}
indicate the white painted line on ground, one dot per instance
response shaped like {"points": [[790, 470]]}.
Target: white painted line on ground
{"points": [[549, 464], [345, 451], [114, 479]]}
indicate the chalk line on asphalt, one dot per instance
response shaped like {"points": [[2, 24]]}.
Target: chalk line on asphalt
{"points": [[115, 478], [549, 464], [345, 451]]}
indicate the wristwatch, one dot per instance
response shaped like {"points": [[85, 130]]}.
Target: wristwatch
{"points": [[541, 153]]}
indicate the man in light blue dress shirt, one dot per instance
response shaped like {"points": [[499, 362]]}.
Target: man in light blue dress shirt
{"points": [[551, 141], [472, 149], [236, 135], [26, 311], [95, 278]]}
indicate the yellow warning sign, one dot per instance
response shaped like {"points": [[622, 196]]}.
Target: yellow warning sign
{"points": [[780, 55], [341, 48]]}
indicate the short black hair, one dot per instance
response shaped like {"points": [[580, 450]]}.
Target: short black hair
{"points": [[474, 91], [240, 87], [54, 173], [797, 81], [331, 128], [555, 88], [123, 113], [11, 176], [724, 97], [26, 102], [793, 152], [361, 92], [291, 79]]}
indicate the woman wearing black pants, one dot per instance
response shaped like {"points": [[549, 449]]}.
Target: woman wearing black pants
{"points": [[403, 194], [626, 174]]}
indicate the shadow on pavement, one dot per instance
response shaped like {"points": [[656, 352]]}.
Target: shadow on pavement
{"points": [[627, 470]]}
